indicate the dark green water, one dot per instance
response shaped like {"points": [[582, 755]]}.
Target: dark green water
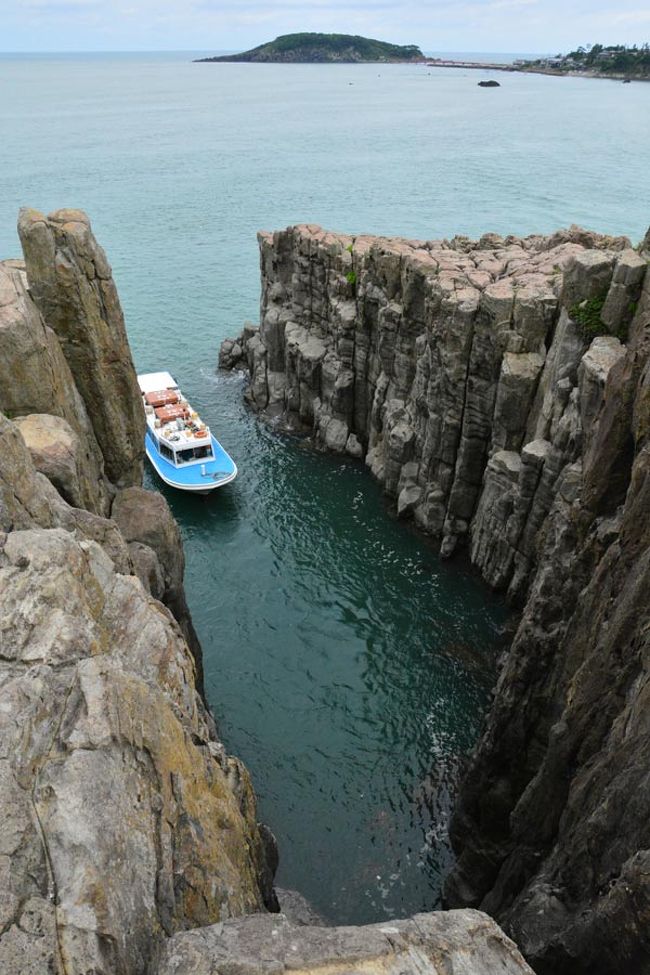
{"points": [[347, 666]]}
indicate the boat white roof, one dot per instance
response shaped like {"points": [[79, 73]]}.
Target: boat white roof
{"points": [[151, 382]]}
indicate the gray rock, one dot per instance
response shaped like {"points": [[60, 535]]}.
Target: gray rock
{"points": [[427, 944], [297, 908], [408, 499], [124, 820], [353, 447], [594, 368], [551, 828], [587, 275], [439, 356]]}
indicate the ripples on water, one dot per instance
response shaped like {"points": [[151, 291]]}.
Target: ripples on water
{"points": [[346, 665]]}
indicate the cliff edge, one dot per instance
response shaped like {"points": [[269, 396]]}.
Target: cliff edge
{"points": [[499, 391]]}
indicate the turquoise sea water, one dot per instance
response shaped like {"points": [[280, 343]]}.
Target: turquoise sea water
{"points": [[345, 663]]}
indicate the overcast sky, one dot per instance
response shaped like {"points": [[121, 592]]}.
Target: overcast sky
{"points": [[435, 25]]}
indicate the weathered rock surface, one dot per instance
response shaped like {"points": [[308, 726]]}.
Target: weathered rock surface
{"points": [[464, 942], [154, 540], [71, 282], [56, 451], [124, 819], [35, 378], [479, 402]]}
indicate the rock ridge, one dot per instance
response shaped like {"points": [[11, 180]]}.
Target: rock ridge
{"points": [[498, 390]]}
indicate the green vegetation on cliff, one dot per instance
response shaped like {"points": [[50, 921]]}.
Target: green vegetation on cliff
{"points": [[307, 48]]}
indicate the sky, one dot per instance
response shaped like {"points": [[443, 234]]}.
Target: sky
{"points": [[520, 26]]}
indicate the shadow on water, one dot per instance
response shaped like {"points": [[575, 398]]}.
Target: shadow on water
{"points": [[345, 663]]}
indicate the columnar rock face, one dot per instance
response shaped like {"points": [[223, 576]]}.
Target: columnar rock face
{"points": [[466, 376], [433, 359], [552, 824], [71, 282]]}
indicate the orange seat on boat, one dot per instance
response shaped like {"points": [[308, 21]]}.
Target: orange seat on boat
{"points": [[172, 412], [162, 397]]}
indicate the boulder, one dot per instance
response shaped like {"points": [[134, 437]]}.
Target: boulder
{"points": [[466, 942], [56, 451]]}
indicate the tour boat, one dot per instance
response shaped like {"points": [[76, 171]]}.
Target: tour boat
{"points": [[180, 447]]}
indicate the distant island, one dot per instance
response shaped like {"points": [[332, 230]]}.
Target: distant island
{"points": [[597, 60], [325, 48]]}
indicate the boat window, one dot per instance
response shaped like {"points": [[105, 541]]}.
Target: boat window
{"points": [[183, 456], [165, 452], [200, 453]]}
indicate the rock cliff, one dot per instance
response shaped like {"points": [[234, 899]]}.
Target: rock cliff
{"points": [[498, 390], [124, 822]]}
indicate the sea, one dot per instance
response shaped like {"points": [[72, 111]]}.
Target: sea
{"points": [[345, 663]]}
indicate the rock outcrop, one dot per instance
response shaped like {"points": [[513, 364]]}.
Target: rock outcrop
{"points": [[71, 282], [498, 390], [427, 944], [35, 378]]}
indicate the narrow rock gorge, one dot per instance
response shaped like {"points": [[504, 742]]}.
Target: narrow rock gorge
{"points": [[499, 391], [130, 843]]}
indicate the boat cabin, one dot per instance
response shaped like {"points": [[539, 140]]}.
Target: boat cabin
{"points": [[178, 433]]}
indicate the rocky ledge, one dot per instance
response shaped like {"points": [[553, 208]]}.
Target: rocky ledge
{"points": [[124, 822], [499, 390]]}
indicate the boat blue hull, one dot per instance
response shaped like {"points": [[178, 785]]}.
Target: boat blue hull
{"points": [[218, 471]]}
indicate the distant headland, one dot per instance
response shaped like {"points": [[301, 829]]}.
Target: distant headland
{"points": [[325, 48]]}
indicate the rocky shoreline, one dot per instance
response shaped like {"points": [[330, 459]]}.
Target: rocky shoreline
{"points": [[130, 842], [498, 390]]}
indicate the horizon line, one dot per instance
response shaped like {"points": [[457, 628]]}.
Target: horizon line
{"points": [[202, 50]]}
